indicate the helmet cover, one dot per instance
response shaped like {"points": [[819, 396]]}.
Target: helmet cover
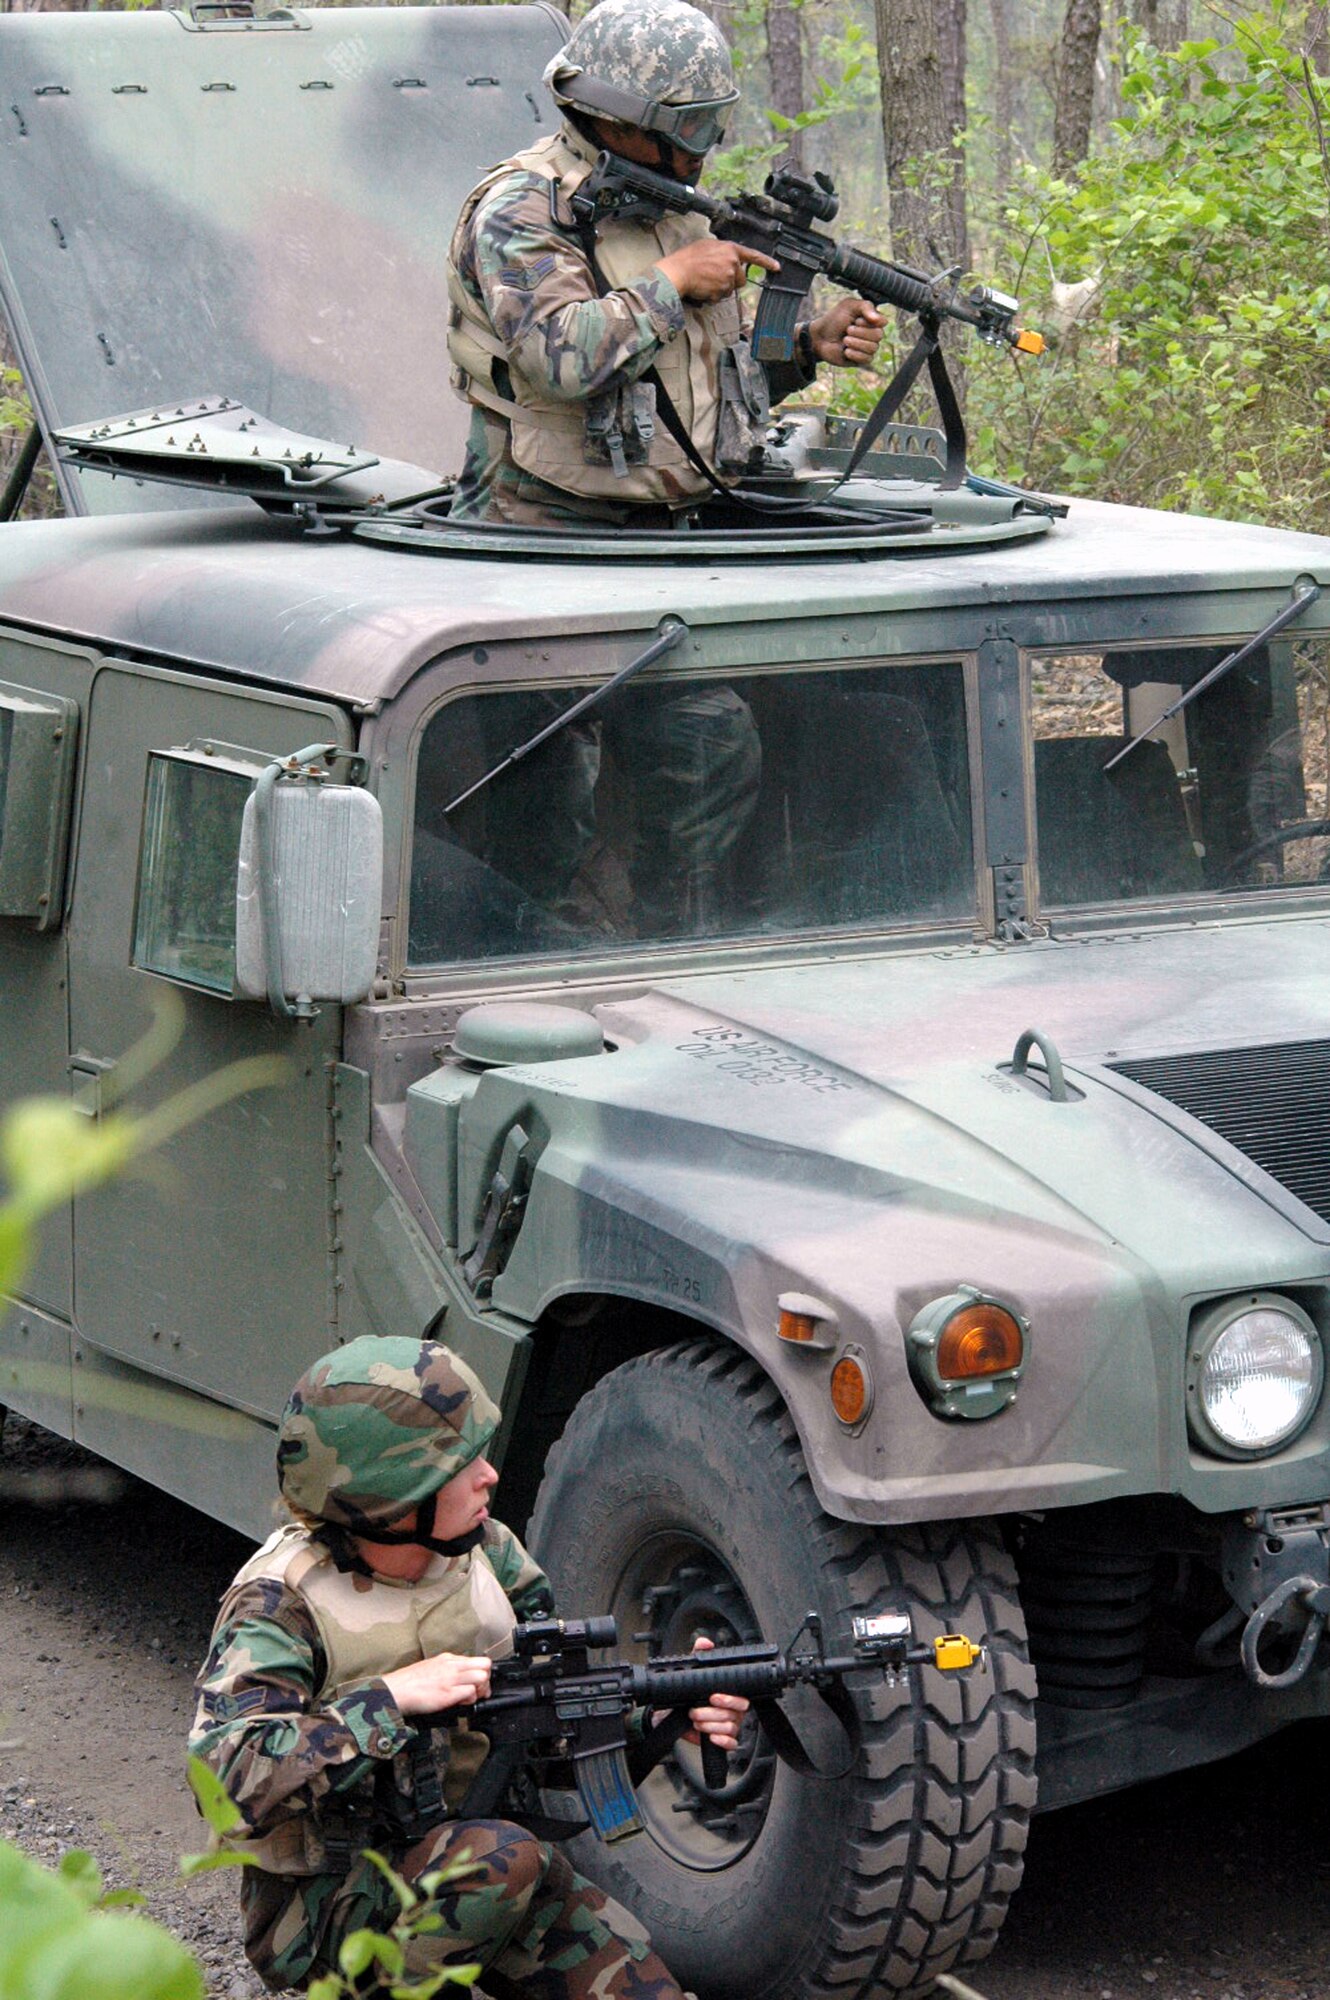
{"points": [[641, 62], [378, 1426]]}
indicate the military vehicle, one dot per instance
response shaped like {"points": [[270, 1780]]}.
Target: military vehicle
{"points": [[876, 1151]]}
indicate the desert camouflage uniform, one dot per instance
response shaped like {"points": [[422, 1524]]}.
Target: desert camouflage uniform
{"points": [[322, 1765]]}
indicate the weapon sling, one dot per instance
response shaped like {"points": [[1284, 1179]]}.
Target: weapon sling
{"points": [[658, 1739], [927, 348]]}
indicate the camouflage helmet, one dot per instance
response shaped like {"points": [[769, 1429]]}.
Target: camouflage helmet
{"points": [[376, 1428], [657, 64]]}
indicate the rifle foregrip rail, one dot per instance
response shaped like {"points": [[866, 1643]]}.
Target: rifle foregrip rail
{"points": [[883, 283], [672, 1687]]}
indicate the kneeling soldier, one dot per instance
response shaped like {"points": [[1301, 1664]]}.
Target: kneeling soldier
{"points": [[386, 1598]]}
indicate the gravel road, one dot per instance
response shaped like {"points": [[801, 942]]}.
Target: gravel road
{"points": [[1210, 1886]]}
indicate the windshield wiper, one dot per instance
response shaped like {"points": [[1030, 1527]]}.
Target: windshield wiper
{"points": [[672, 633], [1294, 609]]}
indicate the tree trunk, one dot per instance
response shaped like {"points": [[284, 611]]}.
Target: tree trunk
{"points": [[1166, 23], [1316, 39], [951, 25], [1075, 95], [925, 170], [1004, 100], [785, 53]]}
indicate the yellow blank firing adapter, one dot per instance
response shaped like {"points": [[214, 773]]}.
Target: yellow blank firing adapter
{"points": [[1028, 341], [953, 1651]]}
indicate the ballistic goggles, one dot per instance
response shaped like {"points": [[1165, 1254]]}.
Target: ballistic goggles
{"points": [[695, 128]]}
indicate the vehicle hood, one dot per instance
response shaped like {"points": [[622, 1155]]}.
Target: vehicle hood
{"points": [[938, 1031], [836, 1101], [1101, 995], [848, 1131]]}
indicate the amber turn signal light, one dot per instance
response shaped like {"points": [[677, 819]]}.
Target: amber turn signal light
{"points": [[805, 1321], [967, 1352], [851, 1390], [981, 1339]]}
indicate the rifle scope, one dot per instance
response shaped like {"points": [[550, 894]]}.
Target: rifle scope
{"points": [[539, 1636], [810, 197]]}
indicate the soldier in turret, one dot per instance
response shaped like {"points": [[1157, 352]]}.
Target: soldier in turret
{"points": [[384, 1599], [550, 336]]}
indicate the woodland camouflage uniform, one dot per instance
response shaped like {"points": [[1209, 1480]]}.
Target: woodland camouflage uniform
{"points": [[322, 1763]]}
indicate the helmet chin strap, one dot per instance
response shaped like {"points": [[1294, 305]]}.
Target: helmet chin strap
{"points": [[422, 1536], [665, 159], [582, 122]]}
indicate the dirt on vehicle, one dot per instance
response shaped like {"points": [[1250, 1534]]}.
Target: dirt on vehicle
{"points": [[1213, 1885]]}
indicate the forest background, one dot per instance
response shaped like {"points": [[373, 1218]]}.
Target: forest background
{"points": [[1154, 182]]}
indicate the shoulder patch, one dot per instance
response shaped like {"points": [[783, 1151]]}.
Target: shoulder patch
{"points": [[525, 277]]}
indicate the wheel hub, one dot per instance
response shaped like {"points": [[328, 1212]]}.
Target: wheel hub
{"points": [[687, 1592]]}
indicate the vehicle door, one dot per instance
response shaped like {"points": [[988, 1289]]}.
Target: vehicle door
{"points": [[208, 1265]]}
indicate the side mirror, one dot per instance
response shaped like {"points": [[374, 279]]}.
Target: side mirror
{"points": [[309, 887]]}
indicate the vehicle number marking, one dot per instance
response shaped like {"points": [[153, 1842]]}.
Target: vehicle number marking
{"points": [[680, 1285], [733, 1053]]}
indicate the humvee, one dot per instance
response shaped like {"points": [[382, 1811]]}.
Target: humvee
{"points": [[857, 1091]]}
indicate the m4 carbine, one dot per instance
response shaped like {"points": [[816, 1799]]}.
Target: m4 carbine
{"points": [[779, 223], [549, 1701]]}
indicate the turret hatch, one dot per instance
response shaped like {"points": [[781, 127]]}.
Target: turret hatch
{"points": [[258, 206]]}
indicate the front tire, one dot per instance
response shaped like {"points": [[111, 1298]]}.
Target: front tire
{"points": [[680, 1480]]}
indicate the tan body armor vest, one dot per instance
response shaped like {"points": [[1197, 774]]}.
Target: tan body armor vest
{"points": [[549, 435], [368, 1627]]}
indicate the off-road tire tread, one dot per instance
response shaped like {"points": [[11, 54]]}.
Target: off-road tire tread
{"points": [[946, 1783]]}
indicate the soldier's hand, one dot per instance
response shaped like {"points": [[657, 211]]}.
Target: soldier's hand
{"points": [[708, 269], [445, 1680], [720, 1715], [848, 335]]}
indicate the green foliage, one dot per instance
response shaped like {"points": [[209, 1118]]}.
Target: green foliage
{"points": [[61, 1940], [221, 1815], [843, 85], [15, 409], [50, 1150], [61, 1936], [387, 1955], [1196, 374]]}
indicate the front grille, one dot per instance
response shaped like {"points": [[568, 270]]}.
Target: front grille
{"points": [[1272, 1103]]}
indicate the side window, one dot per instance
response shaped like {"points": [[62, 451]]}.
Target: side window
{"points": [[38, 746], [185, 913], [1229, 793], [764, 805]]}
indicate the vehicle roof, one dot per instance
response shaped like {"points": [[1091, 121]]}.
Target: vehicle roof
{"points": [[243, 596]]}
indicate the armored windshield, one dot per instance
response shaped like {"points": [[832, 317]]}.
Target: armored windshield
{"points": [[757, 805], [1229, 794]]}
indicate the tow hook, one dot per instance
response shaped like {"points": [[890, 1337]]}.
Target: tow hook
{"points": [[1303, 1590], [1277, 1568]]}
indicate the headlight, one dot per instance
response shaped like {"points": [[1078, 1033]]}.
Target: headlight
{"points": [[1254, 1375]]}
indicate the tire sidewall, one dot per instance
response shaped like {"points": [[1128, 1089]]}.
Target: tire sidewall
{"points": [[656, 1450]]}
